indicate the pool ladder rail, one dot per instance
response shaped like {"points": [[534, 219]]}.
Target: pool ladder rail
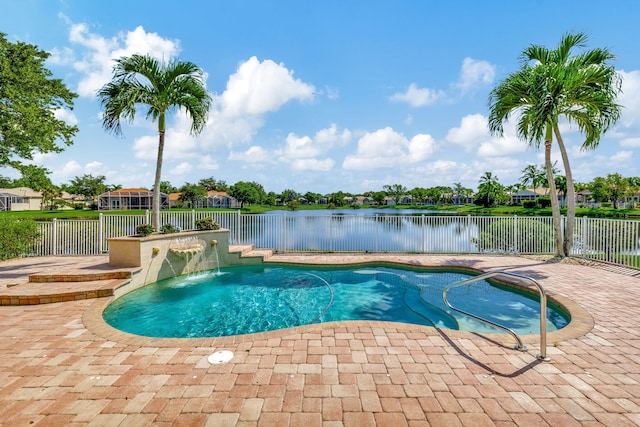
{"points": [[543, 310]]}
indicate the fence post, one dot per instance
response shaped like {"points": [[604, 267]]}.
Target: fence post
{"points": [[424, 243], [469, 234], [330, 232], [515, 234], [284, 232], [237, 237], [585, 237], [54, 248], [100, 233], [563, 224], [193, 219], [377, 227], [146, 217]]}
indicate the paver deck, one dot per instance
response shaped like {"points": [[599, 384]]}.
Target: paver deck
{"points": [[60, 364]]}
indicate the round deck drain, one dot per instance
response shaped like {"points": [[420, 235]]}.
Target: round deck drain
{"points": [[222, 356]]}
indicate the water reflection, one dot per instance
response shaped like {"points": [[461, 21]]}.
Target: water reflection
{"points": [[374, 230]]}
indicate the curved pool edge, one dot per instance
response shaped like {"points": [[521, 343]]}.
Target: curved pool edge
{"points": [[580, 324]]}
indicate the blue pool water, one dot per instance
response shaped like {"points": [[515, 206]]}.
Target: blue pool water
{"points": [[243, 300]]}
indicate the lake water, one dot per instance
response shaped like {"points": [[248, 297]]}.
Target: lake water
{"points": [[370, 229]]}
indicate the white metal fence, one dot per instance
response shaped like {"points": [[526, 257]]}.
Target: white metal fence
{"points": [[615, 241]]}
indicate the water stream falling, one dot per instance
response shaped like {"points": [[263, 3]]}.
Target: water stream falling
{"points": [[192, 251]]}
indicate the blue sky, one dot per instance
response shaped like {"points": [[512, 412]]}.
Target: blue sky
{"points": [[325, 95]]}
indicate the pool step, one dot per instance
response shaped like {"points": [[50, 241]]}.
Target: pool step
{"points": [[74, 279], [32, 293], [250, 251], [121, 273]]}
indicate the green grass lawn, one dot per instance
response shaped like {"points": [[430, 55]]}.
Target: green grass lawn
{"points": [[453, 210]]}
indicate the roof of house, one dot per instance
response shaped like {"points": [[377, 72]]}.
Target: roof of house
{"points": [[22, 192], [216, 193], [130, 192], [29, 193]]}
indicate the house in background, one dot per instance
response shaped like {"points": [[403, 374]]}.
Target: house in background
{"points": [[214, 199], [27, 199], [129, 199], [218, 199]]}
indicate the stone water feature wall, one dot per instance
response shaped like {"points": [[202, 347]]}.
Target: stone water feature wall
{"points": [[161, 256]]}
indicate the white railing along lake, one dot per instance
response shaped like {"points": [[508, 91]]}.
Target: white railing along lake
{"points": [[610, 240]]}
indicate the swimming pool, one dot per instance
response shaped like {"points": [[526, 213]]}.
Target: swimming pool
{"points": [[250, 299]]}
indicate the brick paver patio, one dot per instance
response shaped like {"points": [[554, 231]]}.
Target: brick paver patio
{"points": [[60, 364]]}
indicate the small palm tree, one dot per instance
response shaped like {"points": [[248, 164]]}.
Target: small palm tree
{"points": [[532, 176], [143, 80], [552, 84], [489, 189]]}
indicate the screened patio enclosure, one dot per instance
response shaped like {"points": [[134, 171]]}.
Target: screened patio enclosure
{"points": [[130, 199], [7, 199]]}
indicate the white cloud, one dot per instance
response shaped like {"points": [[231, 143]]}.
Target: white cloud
{"points": [[96, 63], [66, 116], [622, 156], [64, 56], [255, 89], [330, 136], [181, 169], [627, 128], [387, 148], [66, 172], [302, 153], [208, 163], [473, 129], [475, 73], [629, 99], [70, 167], [254, 154], [473, 132], [261, 87], [300, 147], [418, 97], [313, 164], [499, 147], [332, 93], [94, 167], [408, 120], [630, 142]]}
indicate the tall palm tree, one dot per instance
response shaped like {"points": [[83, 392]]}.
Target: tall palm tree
{"points": [[550, 85], [140, 80]]}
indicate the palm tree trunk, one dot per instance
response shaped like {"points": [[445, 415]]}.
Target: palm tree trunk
{"points": [[571, 194], [155, 213], [555, 207]]}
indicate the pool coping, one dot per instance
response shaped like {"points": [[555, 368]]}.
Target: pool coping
{"points": [[580, 324]]}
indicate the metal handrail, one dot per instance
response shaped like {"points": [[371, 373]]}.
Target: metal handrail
{"points": [[543, 310]]}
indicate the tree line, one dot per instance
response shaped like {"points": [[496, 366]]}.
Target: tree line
{"points": [[611, 189]]}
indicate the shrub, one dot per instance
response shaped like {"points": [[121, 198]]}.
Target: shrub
{"points": [[529, 204], [526, 235], [207, 224], [607, 205], [169, 229], [144, 230], [544, 202], [17, 237]]}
